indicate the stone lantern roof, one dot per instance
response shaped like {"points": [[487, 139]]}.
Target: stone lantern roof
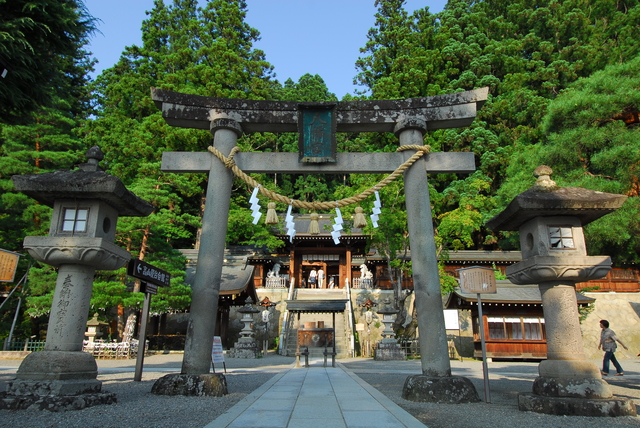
{"points": [[90, 182], [546, 199]]}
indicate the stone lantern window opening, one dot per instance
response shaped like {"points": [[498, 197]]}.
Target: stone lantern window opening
{"points": [[561, 237], [75, 220]]}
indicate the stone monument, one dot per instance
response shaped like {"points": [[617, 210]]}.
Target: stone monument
{"points": [[86, 205], [554, 256], [246, 346], [388, 349]]}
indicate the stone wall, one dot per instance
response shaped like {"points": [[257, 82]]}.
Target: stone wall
{"points": [[622, 310]]}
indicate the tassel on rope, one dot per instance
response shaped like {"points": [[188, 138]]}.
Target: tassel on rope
{"points": [[359, 220], [314, 228], [272, 217]]}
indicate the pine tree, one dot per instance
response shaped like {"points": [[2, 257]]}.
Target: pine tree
{"points": [[40, 47], [593, 141]]}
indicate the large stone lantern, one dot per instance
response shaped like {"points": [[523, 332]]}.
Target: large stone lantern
{"points": [[554, 256], [86, 205]]}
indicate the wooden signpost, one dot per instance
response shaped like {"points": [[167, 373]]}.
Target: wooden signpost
{"points": [[150, 278], [478, 279]]}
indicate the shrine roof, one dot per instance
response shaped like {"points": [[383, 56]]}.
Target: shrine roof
{"points": [[507, 293]]}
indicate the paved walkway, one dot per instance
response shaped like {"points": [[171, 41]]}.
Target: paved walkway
{"points": [[316, 396]]}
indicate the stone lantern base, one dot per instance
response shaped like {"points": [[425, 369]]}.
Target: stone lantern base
{"points": [[56, 381], [566, 406], [389, 351], [247, 350]]}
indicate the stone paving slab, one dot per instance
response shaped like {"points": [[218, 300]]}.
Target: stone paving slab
{"points": [[327, 397]]}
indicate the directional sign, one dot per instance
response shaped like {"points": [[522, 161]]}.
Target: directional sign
{"points": [[145, 287], [149, 273]]}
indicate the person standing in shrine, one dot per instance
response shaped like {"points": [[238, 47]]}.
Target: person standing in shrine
{"points": [[608, 341], [320, 278], [313, 276]]}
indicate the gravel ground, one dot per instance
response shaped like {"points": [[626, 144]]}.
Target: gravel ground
{"points": [[137, 407], [506, 381]]}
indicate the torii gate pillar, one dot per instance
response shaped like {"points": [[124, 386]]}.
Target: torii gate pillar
{"points": [[436, 383], [408, 119], [206, 287]]}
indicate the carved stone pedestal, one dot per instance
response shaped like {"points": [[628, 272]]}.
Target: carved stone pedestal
{"points": [[56, 381], [389, 351], [247, 350]]}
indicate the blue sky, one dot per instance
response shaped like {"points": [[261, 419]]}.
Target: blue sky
{"points": [[298, 36]]}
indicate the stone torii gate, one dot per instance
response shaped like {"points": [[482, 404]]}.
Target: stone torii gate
{"points": [[409, 119]]}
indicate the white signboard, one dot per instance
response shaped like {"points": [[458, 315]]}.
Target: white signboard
{"points": [[451, 319], [217, 356]]}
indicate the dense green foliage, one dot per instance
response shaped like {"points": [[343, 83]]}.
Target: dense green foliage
{"points": [[593, 141], [41, 47], [526, 52]]}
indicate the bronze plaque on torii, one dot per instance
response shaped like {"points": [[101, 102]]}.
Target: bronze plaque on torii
{"points": [[317, 132]]}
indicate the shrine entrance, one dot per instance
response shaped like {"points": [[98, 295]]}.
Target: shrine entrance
{"points": [[317, 124]]}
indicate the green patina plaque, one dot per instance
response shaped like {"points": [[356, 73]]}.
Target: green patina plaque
{"points": [[317, 133]]}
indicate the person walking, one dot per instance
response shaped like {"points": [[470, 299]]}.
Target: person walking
{"points": [[313, 278], [608, 344], [320, 278]]}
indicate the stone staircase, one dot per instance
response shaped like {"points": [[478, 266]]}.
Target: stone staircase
{"points": [[341, 328]]}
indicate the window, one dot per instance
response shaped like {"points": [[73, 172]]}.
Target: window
{"points": [[516, 328], [561, 237], [496, 328], [533, 328], [75, 220]]}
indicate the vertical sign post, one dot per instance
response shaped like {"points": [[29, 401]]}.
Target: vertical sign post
{"points": [[151, 278], [478, 279]]}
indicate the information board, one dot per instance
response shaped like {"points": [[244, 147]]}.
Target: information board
{"points": [[217, 356], [8, 265], [477, 279]]}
